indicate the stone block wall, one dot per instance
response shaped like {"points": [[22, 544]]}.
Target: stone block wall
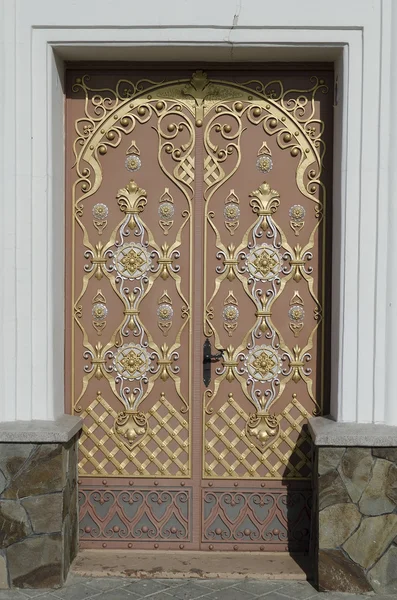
{"points": [[38, 513], [356, 510]]}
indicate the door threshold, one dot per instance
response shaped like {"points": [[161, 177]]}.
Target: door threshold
{"points": [[164, 564]]}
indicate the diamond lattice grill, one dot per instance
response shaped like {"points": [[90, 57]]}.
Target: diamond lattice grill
{"points": [[164, 451], [235, 456]]}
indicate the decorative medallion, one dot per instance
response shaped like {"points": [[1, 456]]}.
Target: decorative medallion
{"points": [[264, 263], [132, 361], [263, 363], [230, 313], [131, 426], [133, 162], [231, 212], [165, 313], [262, 429], [99, 312], [166, 211], [100, 212], [297, 218], [132, 261], [296, 313], [264, 162]]}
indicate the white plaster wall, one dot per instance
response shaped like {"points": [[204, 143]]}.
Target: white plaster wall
{"points": [[36, 36]]}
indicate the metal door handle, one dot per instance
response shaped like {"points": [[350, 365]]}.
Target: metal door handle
{"points": [[209, 358]]}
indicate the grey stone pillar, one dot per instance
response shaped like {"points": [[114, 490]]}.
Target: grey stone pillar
{"points": [[38, 501], [355, 506]]}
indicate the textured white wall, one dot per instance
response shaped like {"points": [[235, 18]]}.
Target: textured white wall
{"points": [[31, 169]]}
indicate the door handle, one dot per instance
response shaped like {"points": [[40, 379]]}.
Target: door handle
{"points": [[209, 358]]}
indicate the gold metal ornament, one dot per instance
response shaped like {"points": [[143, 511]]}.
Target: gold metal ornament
{"points": [[265, 201], [131, 426], [264, 263], [230, 262], [99, 260], [263, 363], [297, 218], [133, 149], [262, 428], [166, 427], [297, 364], [296, 314], [99, 312], [264, 161], [132, 261], [164, 362], [239, 456], [230, 313], [166, 211], [231, 212], [99, 213], [165, 261], [131, 200], [132, 361], [201, 90], [133, 161], [165, 313], [297, 263], [98, 361]]}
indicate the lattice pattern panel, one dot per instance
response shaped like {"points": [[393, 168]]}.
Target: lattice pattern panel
{"points": [[246, 517], [163, 452], [229, 453], [129, 518]]}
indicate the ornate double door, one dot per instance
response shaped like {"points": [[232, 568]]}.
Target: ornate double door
{"points": [[196, 302]]}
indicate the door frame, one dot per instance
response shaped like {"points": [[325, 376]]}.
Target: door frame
{"points": [[36, 156]]}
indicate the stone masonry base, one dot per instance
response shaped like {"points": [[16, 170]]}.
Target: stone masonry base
{"points": [[38, 510], [355, 499]]}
